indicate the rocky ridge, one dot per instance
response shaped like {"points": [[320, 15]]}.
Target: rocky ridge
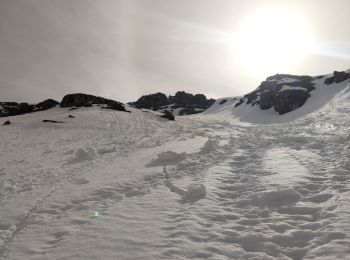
{"points": [[285, 92], [181, 103]]}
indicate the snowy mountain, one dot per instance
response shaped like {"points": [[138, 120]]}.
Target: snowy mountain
{"points": [[281, 98], [94, 183]]}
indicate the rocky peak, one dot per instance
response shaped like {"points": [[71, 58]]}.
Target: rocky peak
{"points": [[189, 103]]}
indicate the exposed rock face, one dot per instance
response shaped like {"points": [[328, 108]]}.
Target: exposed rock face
{"points": [[45, 105], [84, 100], [152, 101], [13, 108], [337, 78], [71, 100], [223, 101], [267, 99], [187, 100], [168, 115], [289, 100], [283, 92], [190, 104]]}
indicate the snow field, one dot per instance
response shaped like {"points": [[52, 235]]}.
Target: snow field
{"points": [[114, 185]]}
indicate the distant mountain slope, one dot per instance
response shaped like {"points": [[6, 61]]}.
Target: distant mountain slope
{"points": [[281, 97]]}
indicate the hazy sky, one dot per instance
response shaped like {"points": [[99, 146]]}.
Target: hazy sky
{"points": [[124, 49]]}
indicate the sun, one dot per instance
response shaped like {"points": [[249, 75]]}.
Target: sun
{"points": [[272, 41]]}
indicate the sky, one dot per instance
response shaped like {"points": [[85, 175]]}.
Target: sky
{"points": [[122, 49]]}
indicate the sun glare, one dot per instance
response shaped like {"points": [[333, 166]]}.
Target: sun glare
{"points": [[271, 41]]}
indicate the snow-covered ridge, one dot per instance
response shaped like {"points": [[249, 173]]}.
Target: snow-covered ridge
{"points": [[282, 97]]}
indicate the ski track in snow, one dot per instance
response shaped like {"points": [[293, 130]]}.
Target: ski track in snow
{"points": [[114, 185]]}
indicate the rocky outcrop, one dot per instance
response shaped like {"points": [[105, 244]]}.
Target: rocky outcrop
{"points": [[45, 105], [153, 101], [289, 100], [190, 104], [187, 100], [283, 92], [337, 77], [168, 115], [72, 100], [85, 100], [14, 108]]}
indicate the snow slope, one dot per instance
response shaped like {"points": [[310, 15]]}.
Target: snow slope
{"points": [[115, 185], [246, 113]]}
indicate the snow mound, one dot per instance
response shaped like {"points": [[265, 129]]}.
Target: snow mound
{"points": [[82, 155], [208, 147], [168, 158], [278, 197], [194, 193]]}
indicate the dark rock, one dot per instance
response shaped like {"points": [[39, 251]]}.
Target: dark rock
{"points": [[152, 101], [338, 76], [267, 99], [84, 100], [168, 115], [7, 123], [70, 116], [13, 108], [186, 100], [51, 121], [115, 106], [73, 108], [24, 108], [159, 101], [268, 91], [240, 102], [296, 77], [222, 102], [45, 105], [289, 100]]}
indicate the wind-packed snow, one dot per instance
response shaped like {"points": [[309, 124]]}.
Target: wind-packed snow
{"points": [[285, 87], [115, 185]]}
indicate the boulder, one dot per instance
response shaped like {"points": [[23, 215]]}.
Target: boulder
{"points": [[7, 123], [168, 115], [70, 116], [289, 100]]}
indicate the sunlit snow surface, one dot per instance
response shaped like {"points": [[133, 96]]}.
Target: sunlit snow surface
{"points": [[116, 185]]}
